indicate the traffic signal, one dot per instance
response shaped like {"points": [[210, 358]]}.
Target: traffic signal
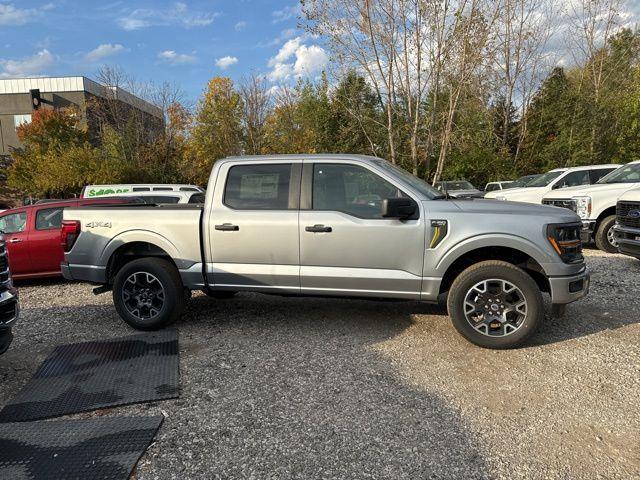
{"points": [[36, 101]]}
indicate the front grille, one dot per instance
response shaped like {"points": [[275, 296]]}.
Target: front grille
{"points": [[626, 214], [4, 268], [561, 202]]}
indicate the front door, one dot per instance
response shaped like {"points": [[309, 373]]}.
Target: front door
{"points": [[16, 236], [253, 227], [346, 247]]}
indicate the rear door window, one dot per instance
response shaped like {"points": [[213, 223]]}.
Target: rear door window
{"points": [[49, 218], [258, 187]]}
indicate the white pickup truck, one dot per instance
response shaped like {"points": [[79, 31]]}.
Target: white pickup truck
{"points": [[627, 228], [596, 204], [557, 179]]}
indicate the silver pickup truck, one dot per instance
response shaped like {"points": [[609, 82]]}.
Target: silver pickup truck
{"points": [[332, 225]]}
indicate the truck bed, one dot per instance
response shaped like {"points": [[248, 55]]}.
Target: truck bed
{"points": [[173, 228]]}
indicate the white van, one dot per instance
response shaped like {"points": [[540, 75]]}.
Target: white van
{"points": [[92, 191], [161, 197]]}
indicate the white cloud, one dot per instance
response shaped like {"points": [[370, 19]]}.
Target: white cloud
{"points": [[178, 15], [103, 51], [175, 58], [240, 26], [287, 13], [34, 65], [11, 16], [295, 59], [225, 62], [286, 51]]}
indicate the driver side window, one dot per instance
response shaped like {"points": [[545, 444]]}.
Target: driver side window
{"points": [[574, 179], [13, 223], [350, 189]]}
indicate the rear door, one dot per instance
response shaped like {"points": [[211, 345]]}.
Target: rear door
{"points": [[44, 239], [15, 228], [346, 247], [253, 227]]}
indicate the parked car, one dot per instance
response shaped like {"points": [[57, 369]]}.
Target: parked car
{"points": [[297, 225], [525, 180], [627, 228], [33, 235], [458, 189], [162, 197], [91, 191], [555, 179], [596, 204], [492, 186], [9, 307]]}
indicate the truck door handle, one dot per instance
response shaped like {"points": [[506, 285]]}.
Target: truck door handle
{"points": [[318, 229], [227, 227], [15, 240]]}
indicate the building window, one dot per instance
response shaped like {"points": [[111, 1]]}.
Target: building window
{"points": [[21, 119]]}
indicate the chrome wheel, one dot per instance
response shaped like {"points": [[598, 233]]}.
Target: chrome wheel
{"points": [[495, 307], [611, 238], [143, 295]]}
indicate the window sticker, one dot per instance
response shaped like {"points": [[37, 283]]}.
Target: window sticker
{"points": [[259, 186]]}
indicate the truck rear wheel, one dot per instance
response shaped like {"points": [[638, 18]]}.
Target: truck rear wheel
{"points": [[148, 293], [605, 240], [495, 304]]}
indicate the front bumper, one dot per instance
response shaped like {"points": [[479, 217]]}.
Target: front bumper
{"points": [[588, 228], [628, 240], [571, 288]]}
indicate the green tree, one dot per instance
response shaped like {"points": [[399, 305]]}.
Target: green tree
{"points": [[217, 130]]}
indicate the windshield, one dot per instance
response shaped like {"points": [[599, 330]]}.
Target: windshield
{"points": [[626, 174], [523, 181], [545, 179], [460, 185], [414, 182]]}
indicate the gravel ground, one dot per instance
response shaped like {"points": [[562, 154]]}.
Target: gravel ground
{"points": [[319, 388]]}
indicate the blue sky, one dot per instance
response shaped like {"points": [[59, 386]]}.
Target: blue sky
{"points": [[186, 42]]}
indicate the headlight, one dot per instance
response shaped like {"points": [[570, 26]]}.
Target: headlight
{"points": [[583, 207], [501, 198], [565, 240]]}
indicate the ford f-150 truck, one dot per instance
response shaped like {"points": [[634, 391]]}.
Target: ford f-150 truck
{"points": [[332, 225], [627, 227], [596, 204]]}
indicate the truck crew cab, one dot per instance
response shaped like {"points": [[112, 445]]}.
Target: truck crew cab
{"points": [[333, 225]]}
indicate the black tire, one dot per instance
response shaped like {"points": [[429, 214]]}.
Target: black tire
{"points": [[173, 301], [220, 294], [602, 235], [495, 269]]}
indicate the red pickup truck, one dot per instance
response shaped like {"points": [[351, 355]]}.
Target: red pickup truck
{"points": [[32, 234]]}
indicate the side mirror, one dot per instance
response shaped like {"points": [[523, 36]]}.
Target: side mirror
{"points": [[400, 208]]}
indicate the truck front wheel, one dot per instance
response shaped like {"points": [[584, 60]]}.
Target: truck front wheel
{"points": [[148, 293], [495, 304], [605, 240]]}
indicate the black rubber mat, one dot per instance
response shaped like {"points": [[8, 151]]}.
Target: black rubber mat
{"points": [[87, 376], [97, 448]]}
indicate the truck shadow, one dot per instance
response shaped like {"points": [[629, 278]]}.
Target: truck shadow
{"points": [[287, 385]]}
